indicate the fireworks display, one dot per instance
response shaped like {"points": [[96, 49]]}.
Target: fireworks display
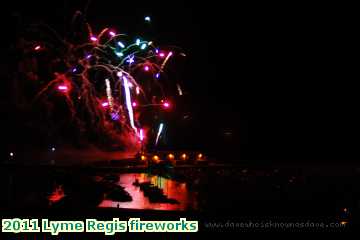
{"points": [[161, 126], [110, 83]]}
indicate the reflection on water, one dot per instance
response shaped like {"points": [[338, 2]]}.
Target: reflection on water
{"points": [[171, 188], [56, 195]]}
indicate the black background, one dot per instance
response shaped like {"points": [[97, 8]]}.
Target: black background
{"points": [[282, 79]]}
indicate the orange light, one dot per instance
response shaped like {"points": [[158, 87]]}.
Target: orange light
{"points": [[156, 158], [343, 222], [183, 156], [199, 156], [171, 156], [143, 158]]}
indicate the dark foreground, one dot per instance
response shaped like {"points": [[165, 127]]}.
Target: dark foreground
{"points": [[229, 198]]}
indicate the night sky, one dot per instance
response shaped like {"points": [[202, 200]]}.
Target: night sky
{"points": [[264, 82]]}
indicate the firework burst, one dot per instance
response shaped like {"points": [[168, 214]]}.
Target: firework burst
{"points": [[105, 80]]}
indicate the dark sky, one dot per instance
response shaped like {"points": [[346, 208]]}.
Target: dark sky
{"points": [[281, 78]]}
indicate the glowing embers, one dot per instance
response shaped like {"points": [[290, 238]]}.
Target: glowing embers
{"points": [[93, 39], [141, 135], [63, 88], [121, 44], [115, 116], [165, 104], [131, 66], [162, 54], [105, 104], [108, 93], [143, 46], [119, 74]]}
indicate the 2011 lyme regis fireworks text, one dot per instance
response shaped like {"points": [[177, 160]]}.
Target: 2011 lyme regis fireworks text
{"points": [[17, 225]]}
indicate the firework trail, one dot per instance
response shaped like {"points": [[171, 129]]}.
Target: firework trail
{"points": [[128, 103], [98, 77], [161, 126]]}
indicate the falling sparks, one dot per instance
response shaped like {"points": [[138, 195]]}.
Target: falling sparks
{"points": [[166, 104], [128, 102], [121, 44], [63, 88], [101, 80], [108, 93], [143, 46], [141, 135], [179, 89], [166, 59], [105, 104], [159, 133]]}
